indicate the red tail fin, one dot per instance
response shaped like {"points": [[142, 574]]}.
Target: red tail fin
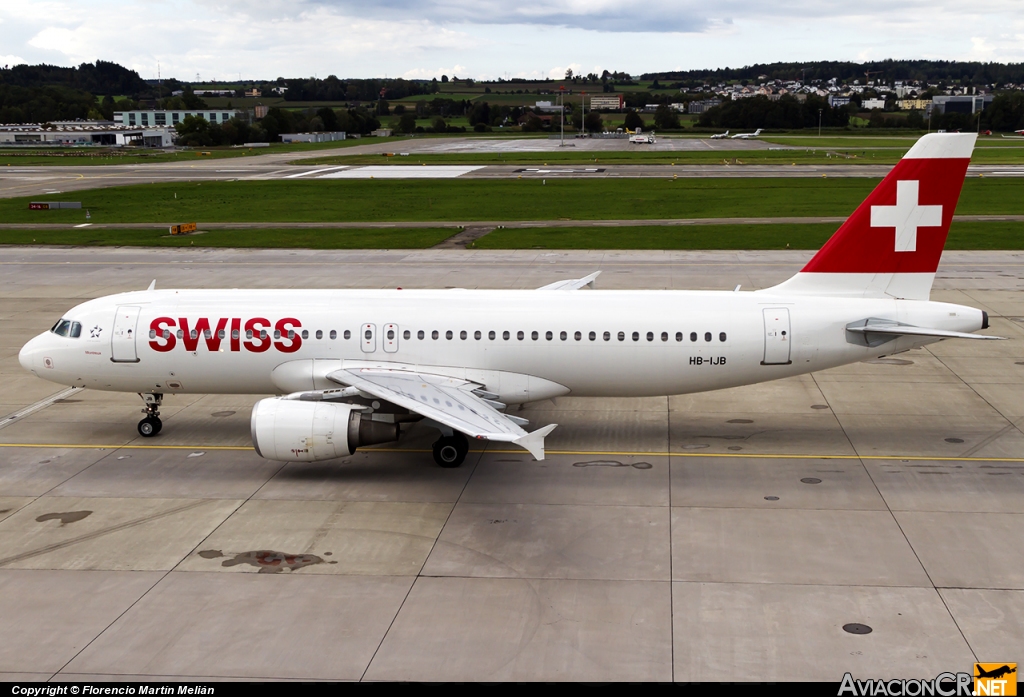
{"points": [[892, 243]]}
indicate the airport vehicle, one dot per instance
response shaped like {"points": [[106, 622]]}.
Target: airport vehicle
{"points": [[719, 136], [747, 136], [354, 366], [639, 138]]}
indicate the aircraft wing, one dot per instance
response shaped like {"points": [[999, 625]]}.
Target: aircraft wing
{"points": [[572, 283], [449, 401]]}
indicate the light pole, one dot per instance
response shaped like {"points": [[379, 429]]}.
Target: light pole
{"points": [[819, 123], [583, 104], [561, 109]]}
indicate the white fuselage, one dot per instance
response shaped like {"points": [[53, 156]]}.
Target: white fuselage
{"points": [[740, 338]]}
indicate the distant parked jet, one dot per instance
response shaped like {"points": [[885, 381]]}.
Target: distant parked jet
{"points": [[720, 135], [747, 136]]}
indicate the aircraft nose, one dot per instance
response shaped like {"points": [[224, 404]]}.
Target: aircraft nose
{"points": [[30, 354]]}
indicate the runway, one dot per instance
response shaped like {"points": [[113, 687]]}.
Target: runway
{"points": [[726, 536], [49, 181]]}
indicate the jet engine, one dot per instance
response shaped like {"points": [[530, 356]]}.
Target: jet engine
{"points": [[299, 431]]}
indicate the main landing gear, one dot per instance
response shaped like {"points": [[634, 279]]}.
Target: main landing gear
{"points": [[451, 451], [151, 425]]}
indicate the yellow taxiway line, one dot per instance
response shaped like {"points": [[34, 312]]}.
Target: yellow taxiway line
{"points": [[585, 453]]}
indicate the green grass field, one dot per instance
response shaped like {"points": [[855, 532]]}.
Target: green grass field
{"points": [[282, 238], [390, 200], [967, 235], [15, 157]]}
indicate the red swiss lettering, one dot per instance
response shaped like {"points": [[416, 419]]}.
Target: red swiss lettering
{"points": [[290, 339], [161, 326], [261, 342]]}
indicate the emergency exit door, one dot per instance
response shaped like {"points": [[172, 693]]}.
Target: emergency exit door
{"points": [[390, 338], [122, 339], [368, 337], [777, 336]]}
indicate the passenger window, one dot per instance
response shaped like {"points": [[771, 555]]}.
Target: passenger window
{"points": [[291, 333], [636, 336], [721, 337], [391, 335], [319, 334], [448, 335], [248, 333], [519, 335], [547, 335], [420, 334], [368, 335], [76, 330], [193, 334], [650, 336], [181, 334], [263, 334], [347, 334], [406, 334], [534, 335], [693, 336], [434, 334], [707, 336], [207, 334], [477, 335], [490, 335], [563, 336], [333, 334], [592, 336], [277, 334], [607, 336], [152, 333], [577, 336], [679, 336], [622, 336], [167, 333], [505, 335]]}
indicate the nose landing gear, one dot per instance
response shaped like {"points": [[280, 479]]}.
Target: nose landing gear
{"points": [[151, 425]]}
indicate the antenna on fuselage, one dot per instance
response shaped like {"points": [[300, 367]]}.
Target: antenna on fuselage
{"points": [[152, 285]]}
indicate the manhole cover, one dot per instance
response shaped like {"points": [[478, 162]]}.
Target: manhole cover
{"points": [[819, 406], [856, 628], [740, 421], [223, 413], [954, 440], [771, 498], [811, 480]]}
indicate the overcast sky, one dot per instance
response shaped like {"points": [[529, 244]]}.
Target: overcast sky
{"points": [[222, 39]]}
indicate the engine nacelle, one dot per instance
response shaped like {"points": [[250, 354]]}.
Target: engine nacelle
{"points": [[297, 431]]}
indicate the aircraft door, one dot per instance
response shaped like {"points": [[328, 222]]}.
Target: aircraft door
{"points": [[368, 337], [122, 339], [391, 338], [777, 337]]}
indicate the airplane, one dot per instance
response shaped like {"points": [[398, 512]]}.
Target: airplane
{"points": [[352, 368], [718, 136], [747, 136], [995, 673]]}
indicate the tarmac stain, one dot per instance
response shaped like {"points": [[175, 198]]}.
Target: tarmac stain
{"points": [[267, 561], [64, 518], [614, 463]]}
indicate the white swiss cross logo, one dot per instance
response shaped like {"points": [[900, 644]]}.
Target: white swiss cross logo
{"points": [[906, 216]]}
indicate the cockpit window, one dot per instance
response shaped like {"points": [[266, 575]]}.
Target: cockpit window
{"points": [[62, 327], [76, 330]]}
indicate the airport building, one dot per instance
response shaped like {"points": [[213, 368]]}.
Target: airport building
{"points": [[607, 101], [79, 134], [173, 117], [321, 137], [872, 104], [701, 105], [961, 103]]}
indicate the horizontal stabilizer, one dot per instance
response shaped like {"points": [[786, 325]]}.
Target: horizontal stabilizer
{"points": [[534, 442], [573, 283], [906, 330]]}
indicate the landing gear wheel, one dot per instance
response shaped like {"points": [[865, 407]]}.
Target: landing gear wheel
{"points": [[150, 426], [451, 451]]}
